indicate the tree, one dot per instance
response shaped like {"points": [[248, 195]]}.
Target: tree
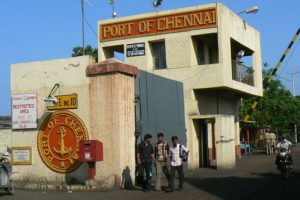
{"points": [[277, 108], [88, 50]]}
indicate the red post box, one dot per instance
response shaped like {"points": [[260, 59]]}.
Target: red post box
{"points": [[90, 152]]}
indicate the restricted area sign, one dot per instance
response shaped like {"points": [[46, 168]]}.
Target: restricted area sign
{"points": [[65, 102], [24, 111]]}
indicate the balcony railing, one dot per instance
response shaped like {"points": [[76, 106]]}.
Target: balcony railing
{"points": [[242, 73]]}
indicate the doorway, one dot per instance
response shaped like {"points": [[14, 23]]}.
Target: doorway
{"points": [[205, 129]]}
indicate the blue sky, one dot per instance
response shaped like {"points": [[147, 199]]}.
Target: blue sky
{"points": [[34, 30]]}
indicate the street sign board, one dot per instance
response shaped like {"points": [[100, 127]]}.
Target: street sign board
{"points": [[137, 49], [65, 102]]}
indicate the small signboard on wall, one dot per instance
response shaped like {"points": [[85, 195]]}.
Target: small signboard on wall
{"points": [[65, 102], [137, 49], [21, 155], [24, 111]]}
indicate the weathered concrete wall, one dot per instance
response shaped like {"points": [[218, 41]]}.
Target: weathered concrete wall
{"points": [[112, 119], [5, 139], [232, 26], [39, 77], [225, 141]]}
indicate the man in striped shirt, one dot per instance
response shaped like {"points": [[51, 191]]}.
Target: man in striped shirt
{"points": [[161, 160]]}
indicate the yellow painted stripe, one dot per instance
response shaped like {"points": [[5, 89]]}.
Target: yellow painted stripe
{"points": [[286, 51], [246, 118], [278, 65], [295, 38], [254, 105], [270, 79]]}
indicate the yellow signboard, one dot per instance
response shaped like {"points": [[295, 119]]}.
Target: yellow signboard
{"points": [[65, 102]]}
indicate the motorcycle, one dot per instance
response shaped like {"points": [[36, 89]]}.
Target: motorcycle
{"points": [[284, 162], [5, 174]]}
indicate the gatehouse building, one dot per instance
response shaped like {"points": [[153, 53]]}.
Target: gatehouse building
{"points": [[183, 73]]}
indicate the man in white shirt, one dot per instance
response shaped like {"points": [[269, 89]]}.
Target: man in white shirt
{"points": [[176, 163]]}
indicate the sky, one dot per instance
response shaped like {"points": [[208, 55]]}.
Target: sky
{"points": [[34, 30]]}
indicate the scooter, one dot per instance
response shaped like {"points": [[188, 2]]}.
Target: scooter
{"points": [[283, 162], [5, 174]]}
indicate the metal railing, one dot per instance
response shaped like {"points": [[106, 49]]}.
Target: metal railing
{"points": [[242, 73]]}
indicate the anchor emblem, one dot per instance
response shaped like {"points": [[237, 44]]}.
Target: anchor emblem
{"points": [[62, 148]]}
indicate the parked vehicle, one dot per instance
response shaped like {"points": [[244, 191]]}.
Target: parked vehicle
{"points": [[5, 174]]}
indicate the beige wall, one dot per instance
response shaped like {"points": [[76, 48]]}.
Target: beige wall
{"points": [[225, 141], [233, 26], [6, 139], [105, 105], [39, 77]]}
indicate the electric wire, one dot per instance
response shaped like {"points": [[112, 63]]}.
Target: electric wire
{"points": [[90, 26]]}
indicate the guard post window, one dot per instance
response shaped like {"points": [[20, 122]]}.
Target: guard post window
{"points": [[206, 48], [158, 51]]}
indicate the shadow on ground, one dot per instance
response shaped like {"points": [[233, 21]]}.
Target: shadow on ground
{"points": [[258, 186]]}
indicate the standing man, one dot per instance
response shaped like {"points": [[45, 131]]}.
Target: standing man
{"points": [[145, 157], [161, 160], [268, 142], [261, 138], [273, 141], [176, 163]]}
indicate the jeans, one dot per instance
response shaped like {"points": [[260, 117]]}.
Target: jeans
{"points": [[161, 167], [179, 170], [147, 168]]}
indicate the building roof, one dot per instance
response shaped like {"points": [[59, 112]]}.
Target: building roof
{"points": [[5, 122]]}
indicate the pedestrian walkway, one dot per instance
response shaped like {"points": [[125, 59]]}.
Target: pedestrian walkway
{"points": [[255, 177]]}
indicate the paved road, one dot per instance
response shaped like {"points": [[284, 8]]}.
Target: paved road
{"points": [[255, 177]]}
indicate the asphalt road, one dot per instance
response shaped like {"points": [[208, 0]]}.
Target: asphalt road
{"points": [[255, 177]]}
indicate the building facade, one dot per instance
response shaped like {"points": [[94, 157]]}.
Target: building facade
{"points": [[201, 47], [183, 74]]}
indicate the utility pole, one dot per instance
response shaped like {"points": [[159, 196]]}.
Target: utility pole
{"points": [[294, 94], [114, 13], [82, 15]]}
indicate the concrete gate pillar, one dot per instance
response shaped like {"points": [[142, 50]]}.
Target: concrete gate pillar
{"points": [[112, 119]]}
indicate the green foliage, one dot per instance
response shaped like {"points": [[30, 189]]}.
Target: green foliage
{"points": [[88, 50], [277, 108]]}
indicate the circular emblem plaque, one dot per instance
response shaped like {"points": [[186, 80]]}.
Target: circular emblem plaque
{"points": [[58, 141]]}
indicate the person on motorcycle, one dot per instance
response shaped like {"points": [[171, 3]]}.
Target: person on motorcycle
{"points": [[284, 144]]}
